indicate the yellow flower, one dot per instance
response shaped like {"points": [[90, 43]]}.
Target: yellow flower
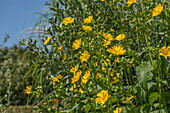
{"points": [[165, 51], [117, 50], [111, 75], [118, 110], [107, 60], [60, 76], [103, 0], [102, 27], [74, 86], [103, 68], [99, 33], [28, 90], [120, 37], [85, 56], [76, 77], [128, 99], [68, 20], [85, 77], [112, 30], [117, 74], [56, 79], [74, 69], [46, 41], [131, 2], [106, 43], [80, 90], [87, 73], [86, 28], [98, 75], [88, 20], [96, 63], [98, 12], [108, 36], [157, 10], [105, 63], [77, 44], [102, 97], [60, 48], [64, 58], [116, 60]]}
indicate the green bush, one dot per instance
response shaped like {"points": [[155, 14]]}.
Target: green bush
{"points": [[12, 71], [102, 56]]}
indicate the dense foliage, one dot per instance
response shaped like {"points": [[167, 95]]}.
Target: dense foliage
{"points": [[102, 56]]}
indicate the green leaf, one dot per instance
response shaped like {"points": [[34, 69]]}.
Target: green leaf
{"points": [[153, 97], [144, 73], [87, 108], [68, 111]]}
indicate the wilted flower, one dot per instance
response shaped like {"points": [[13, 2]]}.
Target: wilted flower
{"points": [[102, 97], [157, 10]]}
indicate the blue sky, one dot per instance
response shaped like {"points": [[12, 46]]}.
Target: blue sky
{"points": [[17, 16]]}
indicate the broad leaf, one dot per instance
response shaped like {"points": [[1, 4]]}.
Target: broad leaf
{"points": [[143, 73]]}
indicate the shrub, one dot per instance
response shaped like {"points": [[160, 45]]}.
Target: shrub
{"points": [[102, 56]]}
